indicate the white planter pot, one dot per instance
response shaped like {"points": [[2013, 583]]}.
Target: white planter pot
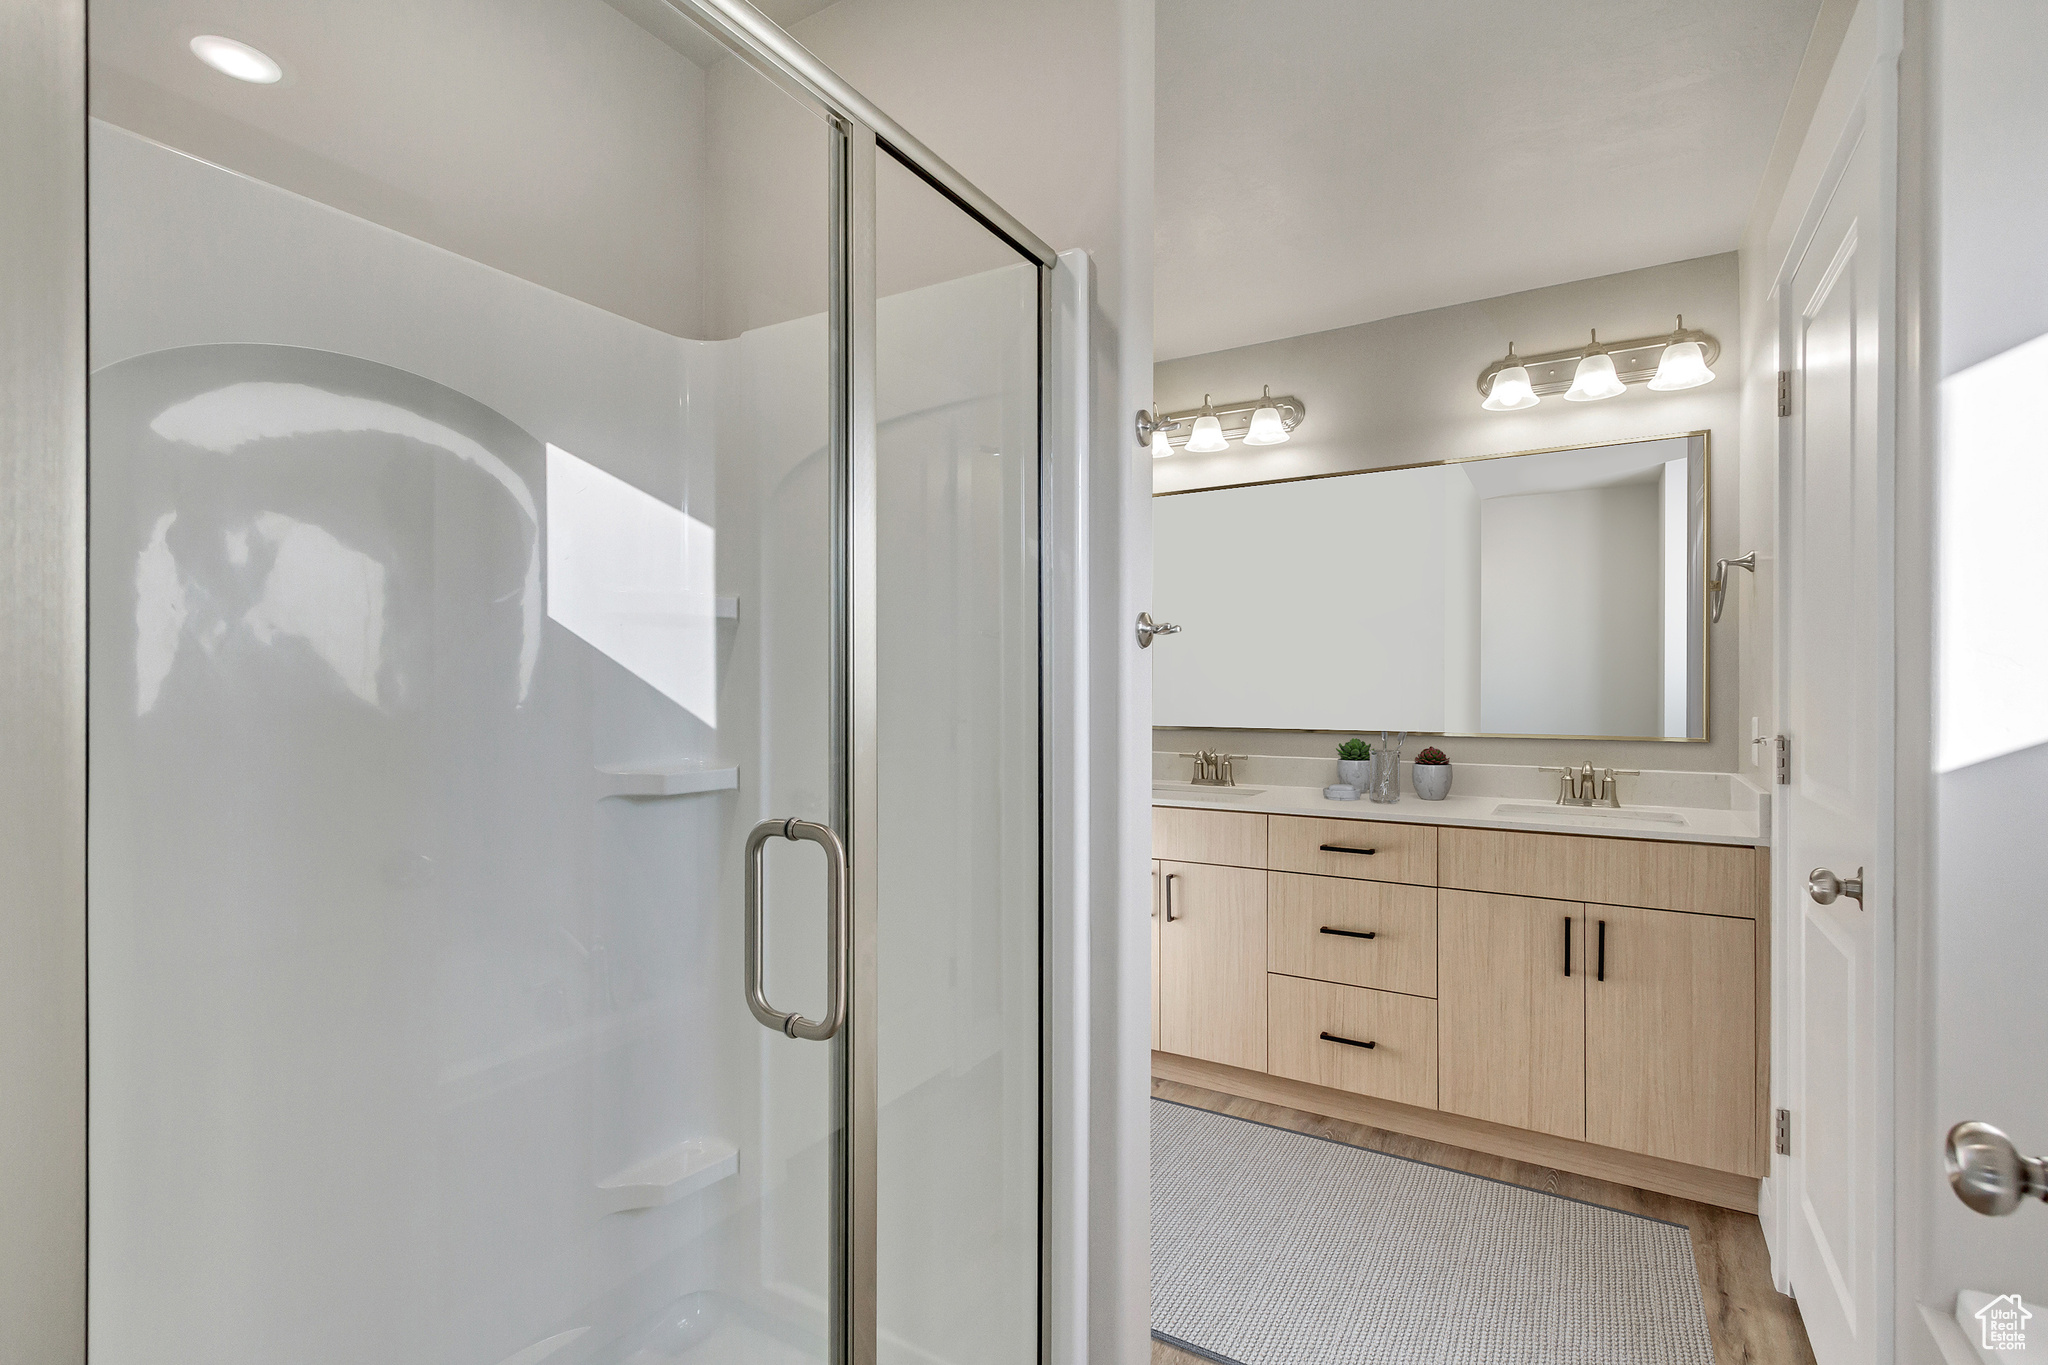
{"points": [[1352, 772], [1432, 780]]}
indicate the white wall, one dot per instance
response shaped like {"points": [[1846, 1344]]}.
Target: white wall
{"points": [[1568, 608], [1989, 1026], [1403, 390]]}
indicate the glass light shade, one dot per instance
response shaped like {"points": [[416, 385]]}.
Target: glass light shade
{"points": [[1208, 436], [1684, 366], [239, 60], [1160, 446], [1595, 378], [1266, 428], [1510, 391]]}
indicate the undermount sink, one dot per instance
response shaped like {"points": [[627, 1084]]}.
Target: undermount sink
{"points": [[1588, 815], [1205, 792]]}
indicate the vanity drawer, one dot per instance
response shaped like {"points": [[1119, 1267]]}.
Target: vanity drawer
{"points": [[1225, 837], [1401, 1064], [1378, 852], [1705, 879], [1400, 955]]}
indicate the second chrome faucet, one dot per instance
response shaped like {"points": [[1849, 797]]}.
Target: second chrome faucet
{"points": [[1587, 785]]}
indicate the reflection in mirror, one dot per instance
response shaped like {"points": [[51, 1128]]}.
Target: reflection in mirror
{"points": [[1555, 592]]}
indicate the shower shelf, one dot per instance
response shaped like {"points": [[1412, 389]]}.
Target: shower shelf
{"points": [[681, 1170], [665, 779]]}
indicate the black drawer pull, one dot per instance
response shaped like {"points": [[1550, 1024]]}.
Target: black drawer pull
{"points": [[1601, 974], [1348, 933], [1339, 848], [1567, 945], [1348, 1042]]}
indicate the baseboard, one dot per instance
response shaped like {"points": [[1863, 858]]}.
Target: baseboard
{"points": [[1719, 1188]]}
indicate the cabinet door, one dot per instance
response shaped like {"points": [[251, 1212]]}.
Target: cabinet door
{"points": [[1212, 963], [1671, 1037], [1511, 1010], [1155, 956]]}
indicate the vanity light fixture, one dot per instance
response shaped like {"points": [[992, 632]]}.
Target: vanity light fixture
{"points": [[1680, 359], [1510, 390], [1266, 428], [1595, 378], [1207, 437], [1263, 421], [239, 60], [1684, 364]]}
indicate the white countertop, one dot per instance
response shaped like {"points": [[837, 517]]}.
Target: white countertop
{"points": [[1700, 825]]}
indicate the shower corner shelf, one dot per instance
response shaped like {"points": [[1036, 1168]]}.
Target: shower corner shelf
{"points": [[728, 608], [681, 1170], [665, 779]]}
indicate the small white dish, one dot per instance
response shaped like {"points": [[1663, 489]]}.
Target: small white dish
{"points": [[1340, 792]]}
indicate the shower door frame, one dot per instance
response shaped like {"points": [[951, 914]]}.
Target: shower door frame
{"points": [[859, 132]]}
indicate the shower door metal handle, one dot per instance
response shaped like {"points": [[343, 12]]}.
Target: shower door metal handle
{"points": [[836, 925]]}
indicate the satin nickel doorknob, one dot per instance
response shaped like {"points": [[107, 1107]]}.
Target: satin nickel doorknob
{"points": [[1147, 628], [1823, 885], [1988, 1173]]}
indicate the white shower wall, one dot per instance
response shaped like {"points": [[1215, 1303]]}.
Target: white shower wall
{"points": [[396, 985]]}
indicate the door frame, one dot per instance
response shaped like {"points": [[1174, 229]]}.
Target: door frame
{"points": [[1877, 86], [42, 678]]}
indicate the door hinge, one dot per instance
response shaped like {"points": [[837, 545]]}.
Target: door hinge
{"points": [[1784, 393], [1781, 748], [1781, 1142]]}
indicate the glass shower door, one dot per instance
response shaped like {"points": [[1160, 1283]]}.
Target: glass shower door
{"points": [[464, 570]]}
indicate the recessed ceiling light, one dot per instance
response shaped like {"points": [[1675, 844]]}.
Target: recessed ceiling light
{"points": [[239, 60]]}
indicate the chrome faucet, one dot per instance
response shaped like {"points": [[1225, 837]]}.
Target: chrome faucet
{"points": [[1586, 785], [1213, 769]]}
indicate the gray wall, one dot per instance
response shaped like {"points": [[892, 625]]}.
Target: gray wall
{"points": [[42, 681], [1402, 390]]}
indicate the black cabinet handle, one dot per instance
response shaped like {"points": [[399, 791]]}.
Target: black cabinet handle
{"points": [[1339, 848], [1348, 1042], [1601, 974], [1567, 945], [1346, 933]]}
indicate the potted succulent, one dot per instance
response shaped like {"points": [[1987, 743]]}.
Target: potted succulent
{"points": [[1432, 774], [1354, 762]]}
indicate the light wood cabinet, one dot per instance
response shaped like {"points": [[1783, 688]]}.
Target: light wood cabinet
{"points": [[1671, 1038], [1231, 838], [1375, 850], [1444, 947], [1511, 1032], [1706, 879], [1212, 963], [1375, 934], [1348, 1038]]}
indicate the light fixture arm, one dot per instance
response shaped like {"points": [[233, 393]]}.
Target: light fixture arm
{"points": [[1635, 360], [1717, 588]]}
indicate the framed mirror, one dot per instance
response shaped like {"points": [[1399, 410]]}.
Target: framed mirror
{"points": [[1553, 593]]}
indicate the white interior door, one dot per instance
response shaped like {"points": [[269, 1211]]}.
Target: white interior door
{"points": [[1836, 701]]}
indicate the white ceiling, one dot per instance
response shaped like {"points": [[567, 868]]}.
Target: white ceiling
{"points": [[1322, 163]]}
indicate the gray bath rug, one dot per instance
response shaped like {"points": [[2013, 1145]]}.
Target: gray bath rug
{"points": [[1271, 1247]]}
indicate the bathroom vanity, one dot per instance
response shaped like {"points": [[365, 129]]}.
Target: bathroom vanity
{"points": [[1591, 996]]}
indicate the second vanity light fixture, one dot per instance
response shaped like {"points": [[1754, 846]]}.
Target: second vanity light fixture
{"points": [[1597, 370], [1266, 421]]}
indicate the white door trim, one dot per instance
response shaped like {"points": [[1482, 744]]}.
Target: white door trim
{"points": [[1874, 113]]}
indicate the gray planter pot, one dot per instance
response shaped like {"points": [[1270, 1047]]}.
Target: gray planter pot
{"points": [[1352, 773], [1432, 780]]}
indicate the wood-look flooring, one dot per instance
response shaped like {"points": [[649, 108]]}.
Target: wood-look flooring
{"points": [[1751, 1322]]}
